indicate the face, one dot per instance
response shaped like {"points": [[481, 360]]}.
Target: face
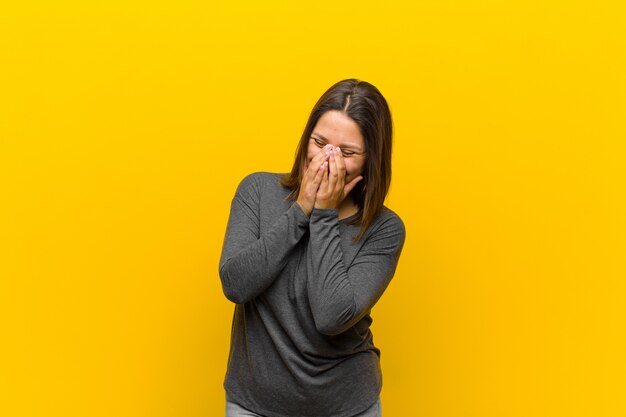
{"points": [[338, 129]]}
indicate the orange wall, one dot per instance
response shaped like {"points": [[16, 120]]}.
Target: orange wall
{"points": [[125, 128]]}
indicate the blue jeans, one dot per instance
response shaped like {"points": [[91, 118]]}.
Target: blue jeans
{"points": [[235, 410]]}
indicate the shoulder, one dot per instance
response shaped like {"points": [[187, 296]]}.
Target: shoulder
{"points": [[255, 182], [386, 235], [390, 218], [388, 223]]}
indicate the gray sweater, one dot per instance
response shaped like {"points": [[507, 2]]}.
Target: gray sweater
{"points": [[300, 342]]}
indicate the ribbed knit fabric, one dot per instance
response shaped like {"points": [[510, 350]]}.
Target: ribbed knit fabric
{"points": [[301, 345]]}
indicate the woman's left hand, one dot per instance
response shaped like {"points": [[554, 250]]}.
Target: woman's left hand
{"points": [[333, 188]]}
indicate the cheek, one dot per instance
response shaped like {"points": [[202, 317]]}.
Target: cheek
{"points": [[311, 152], [353, 169]]}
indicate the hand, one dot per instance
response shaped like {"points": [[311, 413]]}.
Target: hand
{"points": [[311, 180], [332, 189]]}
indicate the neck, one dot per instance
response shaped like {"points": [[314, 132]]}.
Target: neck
{"points": [[347, 208]]}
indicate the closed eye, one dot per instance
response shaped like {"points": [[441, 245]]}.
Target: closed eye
{"points": [[343, 151]]}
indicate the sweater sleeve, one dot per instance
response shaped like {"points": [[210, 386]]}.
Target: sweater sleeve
{"points": [[250, 261], [341, 296]]}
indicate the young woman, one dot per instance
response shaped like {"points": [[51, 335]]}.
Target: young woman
{"points": [[305, 258]]}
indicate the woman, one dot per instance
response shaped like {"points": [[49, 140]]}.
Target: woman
{"points": [[306, 256]]}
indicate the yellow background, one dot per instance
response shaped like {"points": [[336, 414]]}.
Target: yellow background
{"points": [[125, 129]]}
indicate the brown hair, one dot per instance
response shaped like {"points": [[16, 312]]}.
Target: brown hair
{"points": [[364, 104]]}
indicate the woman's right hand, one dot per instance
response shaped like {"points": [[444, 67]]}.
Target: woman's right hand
{"points": [[311, 180]]}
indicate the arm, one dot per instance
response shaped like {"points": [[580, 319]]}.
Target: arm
{"points": [[250, 262], [341, 296]]}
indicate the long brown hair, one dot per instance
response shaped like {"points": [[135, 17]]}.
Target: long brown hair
{"points": [[364, 104]]}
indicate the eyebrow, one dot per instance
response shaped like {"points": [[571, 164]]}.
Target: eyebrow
{"points": [[347, 145]]}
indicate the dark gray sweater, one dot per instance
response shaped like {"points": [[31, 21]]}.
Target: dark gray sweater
{"points": [[300, 343]]}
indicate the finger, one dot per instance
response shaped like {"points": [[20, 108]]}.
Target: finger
{"points": [[341, 169], [318, 160], [323, 153], [348, 187], [319, 175], [341, 163], [332, 163]]}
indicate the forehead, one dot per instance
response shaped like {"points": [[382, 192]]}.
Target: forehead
{"points": [[338, 128]]}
